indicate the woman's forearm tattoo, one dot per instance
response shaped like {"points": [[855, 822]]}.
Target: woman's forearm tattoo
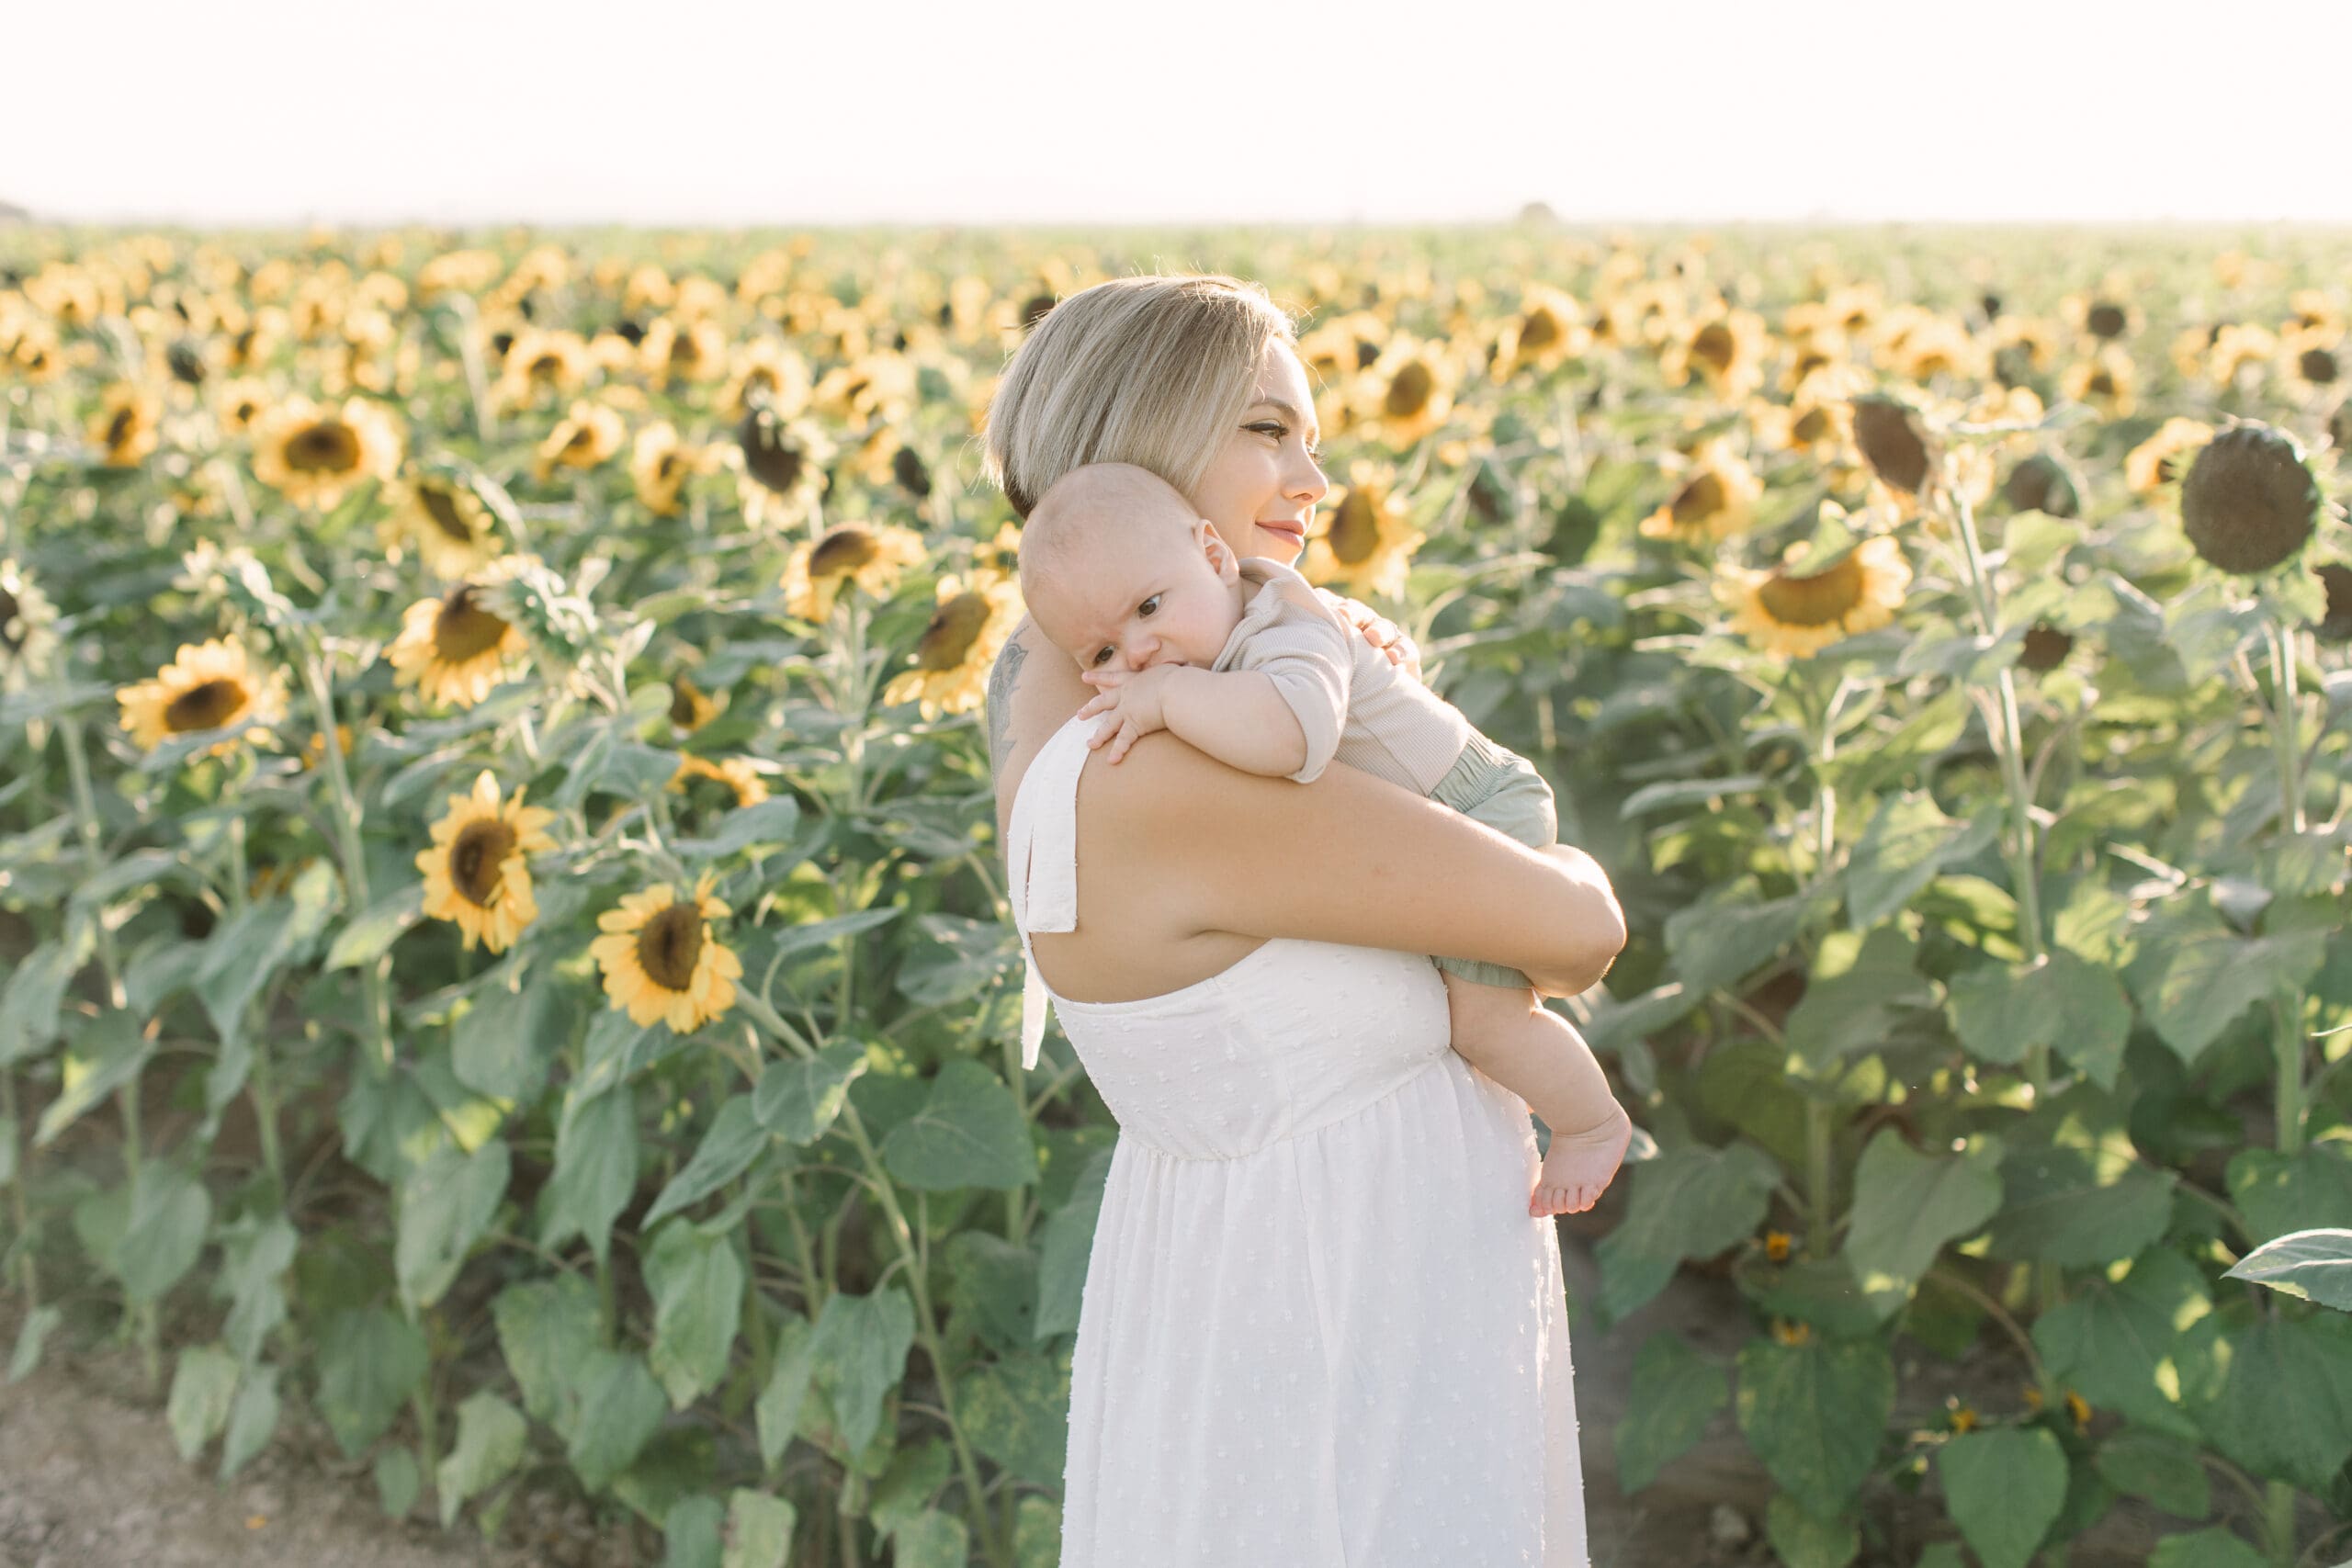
{"points": [[1002, 681]]}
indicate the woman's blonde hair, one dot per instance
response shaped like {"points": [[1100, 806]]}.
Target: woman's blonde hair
{"points": [[1153, 371]]}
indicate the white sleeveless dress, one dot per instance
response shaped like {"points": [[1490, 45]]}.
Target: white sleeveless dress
{"points": [[1320, 1328]]}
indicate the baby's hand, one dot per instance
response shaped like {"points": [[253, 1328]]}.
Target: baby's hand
{"points": [[1135, 700], [1382, 633]]}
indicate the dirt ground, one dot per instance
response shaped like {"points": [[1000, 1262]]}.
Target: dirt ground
{"points": [[89, 1476]]}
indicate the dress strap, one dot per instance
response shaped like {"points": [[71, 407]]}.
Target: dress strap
{"points": [[1041, 859]]}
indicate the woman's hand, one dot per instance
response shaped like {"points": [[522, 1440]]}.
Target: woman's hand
{"points": [[1382, 633]]}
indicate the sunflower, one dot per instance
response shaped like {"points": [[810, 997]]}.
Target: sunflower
{"points": [[449, 515], [783, 466], [452, 649], [1715, 499], [660, 961], [660, 465], [2040, 483], [2023, 345], [2103, 314], [2335, 623], [315, 749], [540, 360], [2156, 462], [689, 709], [124, 426], [735, 772], [1798, 617], [1933, 345], [765, 370], [1725, 344], [312, 454], [37, 357], [474, 873], [1899, 443], [999, 559], [2312, 314], [2106, 381], [458, 271], [689, 351], [1407, 391], [874, 387], [1816, 421], [1368, 544], [206, 686], [949, 668], [2249, 501], [1336, 351], [26, 640], [2236, 348], [584, 439], [1548, 330], [872, 556], [240, 404], [2311, 362]]}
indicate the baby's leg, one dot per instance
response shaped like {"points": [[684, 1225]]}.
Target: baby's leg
{"points": [[1538, 1056]]}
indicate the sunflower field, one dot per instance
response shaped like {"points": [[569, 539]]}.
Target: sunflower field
{"points": [[505, 946]]}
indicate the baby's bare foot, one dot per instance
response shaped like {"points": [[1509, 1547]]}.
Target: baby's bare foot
{"points": [[1579, 1166]]}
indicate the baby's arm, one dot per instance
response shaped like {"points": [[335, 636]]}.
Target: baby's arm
{"points": [[1238, 716]]}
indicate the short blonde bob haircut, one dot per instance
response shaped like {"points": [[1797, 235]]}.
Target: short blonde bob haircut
{"points": [[1152, 370]]}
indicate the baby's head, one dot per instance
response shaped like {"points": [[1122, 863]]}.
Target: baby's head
{"points": [[1120, 574]]}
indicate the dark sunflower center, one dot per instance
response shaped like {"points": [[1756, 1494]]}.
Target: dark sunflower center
{"points": [[2317, 365], [842, 551], [206, 707], [441, 506], [2106, 319], [682, 702], [1809, 361], [1895, 448], [1809, 426], [8, 609], [953, 627], [2102, 382], [2248, 502], [1701, 499], [546, 367], [477, 859], [120, 428], [1823, 599], [463, 629], [769, 453], [1367, 351], [329, 447], [1355, 529], [1409, 393], [668, 945], [907, 468], [1539, 331], [2045, 648], [1714, 348]]}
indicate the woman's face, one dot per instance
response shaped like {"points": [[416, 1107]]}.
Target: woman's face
{"points": [[1260, 491]]}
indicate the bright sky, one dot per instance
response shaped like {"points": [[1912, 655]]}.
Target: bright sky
{"points": [[780, 111]]}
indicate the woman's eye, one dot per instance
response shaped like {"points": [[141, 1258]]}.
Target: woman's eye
{"points": [[1146, 608], [1275, 428]]}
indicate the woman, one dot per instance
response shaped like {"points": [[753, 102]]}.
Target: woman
{"points": [[1318, 1328]]}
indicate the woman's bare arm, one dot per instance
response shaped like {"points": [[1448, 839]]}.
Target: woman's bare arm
{"points": [[1349, 858]]}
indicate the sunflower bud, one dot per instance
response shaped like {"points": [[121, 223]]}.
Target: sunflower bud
{"points": [[2041, 484], [2335, 623], [526, 593], [1900, 447], [2249, 501]]}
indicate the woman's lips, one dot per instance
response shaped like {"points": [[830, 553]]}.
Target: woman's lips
{"points": [[1295, 531]]}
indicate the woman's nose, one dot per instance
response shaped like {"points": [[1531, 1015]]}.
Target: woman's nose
{"points": [[1306, 482]]}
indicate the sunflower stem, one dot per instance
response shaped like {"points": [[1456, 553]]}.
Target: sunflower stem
{"points": [[346, 836], [2278, 1522], [18, 1212], [2281, 643]]}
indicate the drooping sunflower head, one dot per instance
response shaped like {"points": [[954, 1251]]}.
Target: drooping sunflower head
{"points": [[660, 466], [454, 648], [784, 464], [2042, 483], [1896, 440], [1366, 542], [661, 961], [690, 710], [870, 555], [2249, 501], [206, 686], [947, 672], [474, 871], [454, 517], [2335, 623], [1797, 616], [312, 456]]}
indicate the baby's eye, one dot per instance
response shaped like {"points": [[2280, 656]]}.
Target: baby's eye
{"points": [[1144, 608], [1101, 654]]}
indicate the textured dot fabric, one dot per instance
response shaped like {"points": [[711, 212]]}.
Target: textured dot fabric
{"points": [[1318, 1329]]}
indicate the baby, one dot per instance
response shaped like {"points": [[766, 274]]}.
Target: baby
{"points": [[1242, 657]]}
